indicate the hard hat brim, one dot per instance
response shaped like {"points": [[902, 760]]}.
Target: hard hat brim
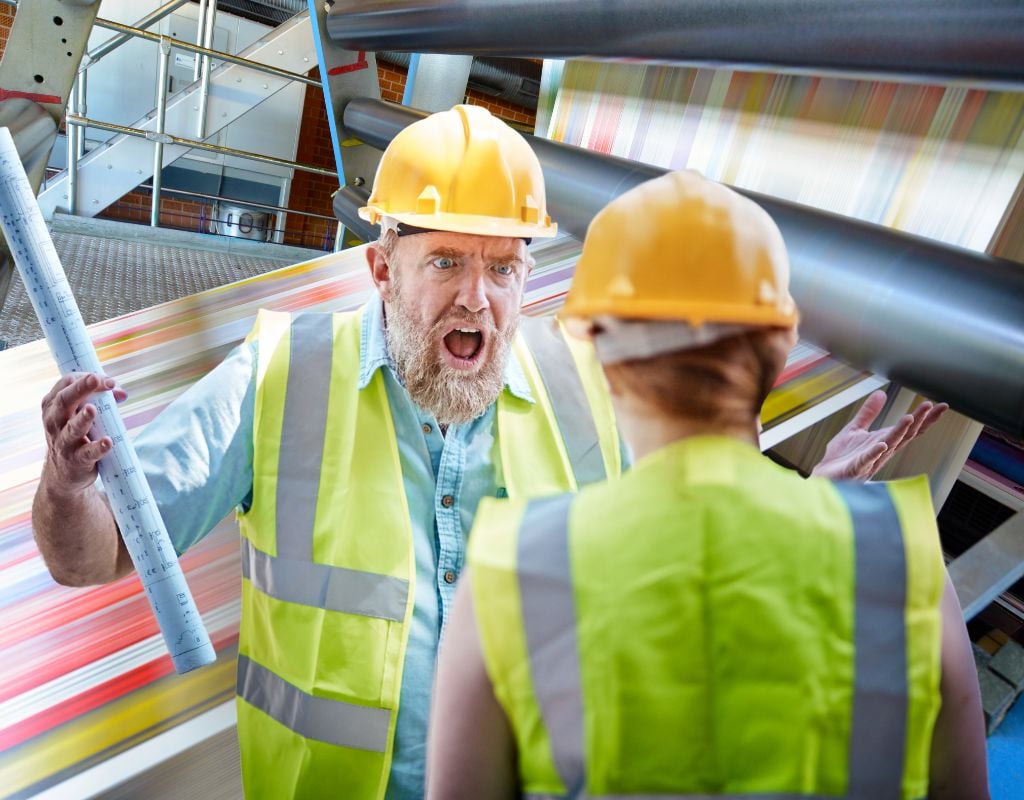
{"points": [[466, 223], [769, 316]]}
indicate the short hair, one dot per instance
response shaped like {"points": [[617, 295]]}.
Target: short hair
{"points": [[723, 384]]}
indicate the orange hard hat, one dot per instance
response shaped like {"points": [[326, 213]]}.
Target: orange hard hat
{"points": [[681, 247]]}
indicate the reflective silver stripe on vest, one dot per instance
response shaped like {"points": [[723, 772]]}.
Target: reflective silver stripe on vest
{"points": [[878, 731], [880, 693], [568, 398], [332, 721], [311, 345], [549, 622], [323, 586]]}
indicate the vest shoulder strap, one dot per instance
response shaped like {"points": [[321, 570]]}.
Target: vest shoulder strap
{"points": [[579, 400]]}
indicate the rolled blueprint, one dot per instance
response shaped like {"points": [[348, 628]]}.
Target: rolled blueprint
{"points": [[127, 491]]}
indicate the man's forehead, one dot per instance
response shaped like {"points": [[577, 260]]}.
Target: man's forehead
{"points": [[467, 244]]}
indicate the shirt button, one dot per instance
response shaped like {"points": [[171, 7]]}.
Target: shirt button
{"points": [[447, 501], [426, 427], [449, 577]]}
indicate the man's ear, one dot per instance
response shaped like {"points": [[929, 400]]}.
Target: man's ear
{"points": [[380, 270]]}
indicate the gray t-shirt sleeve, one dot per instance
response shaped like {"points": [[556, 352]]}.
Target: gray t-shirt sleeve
{"points": [[197, 454]]}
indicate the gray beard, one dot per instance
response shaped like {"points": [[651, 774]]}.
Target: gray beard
{"points": [[451, 395]]}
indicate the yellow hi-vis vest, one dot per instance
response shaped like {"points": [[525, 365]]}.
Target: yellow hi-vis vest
{"points": [[712, 625], [327, 553]]}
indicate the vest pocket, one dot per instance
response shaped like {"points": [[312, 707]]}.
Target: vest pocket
{"points": [[324, 653]]}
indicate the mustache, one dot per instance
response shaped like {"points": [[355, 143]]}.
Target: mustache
{"points": [[452, 318]]}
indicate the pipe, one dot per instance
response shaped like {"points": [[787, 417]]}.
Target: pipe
{"points": [[200, 33], [974, 39], [71, 134], [158, 140], [82, 108], [347, 202], [506, 79], [941, 320], [204, 91], [31, 127]]}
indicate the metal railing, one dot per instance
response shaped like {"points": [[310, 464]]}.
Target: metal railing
{"points": [[77, 120], [162, 138], [205, 51]]}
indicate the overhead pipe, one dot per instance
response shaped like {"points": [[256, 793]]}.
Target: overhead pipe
{"points": [[944, 321], [502, 78], [980, 40]]}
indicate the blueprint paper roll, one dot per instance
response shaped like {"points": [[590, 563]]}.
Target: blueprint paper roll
{"points": [[128, 493]]}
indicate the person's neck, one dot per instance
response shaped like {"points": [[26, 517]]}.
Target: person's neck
{"points": [[646, 428]]}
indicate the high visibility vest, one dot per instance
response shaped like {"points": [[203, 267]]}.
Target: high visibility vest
{"points": [[712, 625], [327, 554]]}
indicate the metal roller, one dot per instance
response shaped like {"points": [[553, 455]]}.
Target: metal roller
{"points": [[980, 40], [32, 128], [944, 321]]}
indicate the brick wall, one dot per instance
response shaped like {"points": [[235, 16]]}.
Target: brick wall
{"points": [[175, 212], [392, 87], [312, 192], [392, 81], [6, 21]]}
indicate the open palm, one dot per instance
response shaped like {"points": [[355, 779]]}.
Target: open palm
{"points": [[857, 453]]}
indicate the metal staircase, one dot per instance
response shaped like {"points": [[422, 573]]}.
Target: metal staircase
{"points": [[107, 173]]}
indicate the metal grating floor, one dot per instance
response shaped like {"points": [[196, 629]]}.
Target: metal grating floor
{"points": [[112, 276]]}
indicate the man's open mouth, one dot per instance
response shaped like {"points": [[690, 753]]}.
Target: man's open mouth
{"points": [[464, 344]]}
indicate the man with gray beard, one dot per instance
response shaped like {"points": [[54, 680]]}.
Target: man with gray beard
{"points": [[437, 382], [356, 448]]}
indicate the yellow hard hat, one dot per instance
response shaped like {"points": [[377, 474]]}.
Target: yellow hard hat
{"points": [[681, 247], [464, 171]]}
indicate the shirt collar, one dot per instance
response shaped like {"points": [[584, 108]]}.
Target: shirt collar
{"points": [[373, 354]]}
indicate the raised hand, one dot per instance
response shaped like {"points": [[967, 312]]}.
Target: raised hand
{"points": [[67, 419], [857, 453]]}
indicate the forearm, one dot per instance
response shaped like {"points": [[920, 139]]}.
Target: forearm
{"points": [[76, 534]]}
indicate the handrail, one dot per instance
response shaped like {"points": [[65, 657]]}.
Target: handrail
{"points": [[114, 42], [205, 51], [220, 197], [166, 138]]}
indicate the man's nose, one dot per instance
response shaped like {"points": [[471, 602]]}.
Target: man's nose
{"points": [[472, 293]]}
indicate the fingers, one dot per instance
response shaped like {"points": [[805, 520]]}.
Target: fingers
{"points": [[894, 434], [925, 415], [63, 400], [73, 445], [873, 459], [933, 416], [920, 415], [78, 426], [869, 411]]}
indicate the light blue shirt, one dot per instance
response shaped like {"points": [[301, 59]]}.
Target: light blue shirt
{"points": [[198, 457]]}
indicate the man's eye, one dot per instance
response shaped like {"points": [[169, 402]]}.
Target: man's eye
{"points": [[505, 269], [444, 263]]}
